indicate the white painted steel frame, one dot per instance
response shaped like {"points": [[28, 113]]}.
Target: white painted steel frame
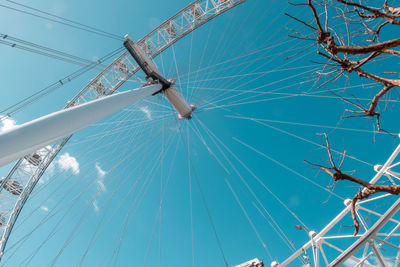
{"points": [[369, 238], [251, 263], [110, 79], [27, 138]]}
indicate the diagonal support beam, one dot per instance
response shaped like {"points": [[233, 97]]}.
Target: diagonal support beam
{"points": [[28, 137]]}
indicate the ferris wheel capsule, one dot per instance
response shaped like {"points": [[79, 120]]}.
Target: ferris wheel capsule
{"points": [[13, 186], [2, 220], [33, 159]]}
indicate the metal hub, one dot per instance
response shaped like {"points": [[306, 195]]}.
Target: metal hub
{"points": [[153, 75]]}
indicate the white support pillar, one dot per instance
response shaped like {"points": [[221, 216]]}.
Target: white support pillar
{"points": [[31, 136]]}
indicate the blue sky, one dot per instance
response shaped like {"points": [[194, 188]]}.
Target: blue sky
{"points": [[103, 193]]}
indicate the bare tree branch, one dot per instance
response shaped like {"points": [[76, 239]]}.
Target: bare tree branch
{"points": [[350, 57], [368, 188]]}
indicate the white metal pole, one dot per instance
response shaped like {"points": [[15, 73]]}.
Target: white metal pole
{"points": [[367, 235], [33, 135]]}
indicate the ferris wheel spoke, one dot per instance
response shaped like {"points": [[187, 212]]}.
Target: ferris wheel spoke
{"points": [[308, 125], [101, 225], [286, 167], [257, 93], [266, 54], [273, 92], [162, 200], [203, 53], [122, 161], [160, 233], [271, 220], [239, 48], [139, 199], [253, 94], [308, 141], [234, 155], [296, 48], [212, 102], [218, 70], [205, 49], [251, 74], [280, 163], [156, 222], [118, 130], [221, 98], [96, 147], [56, 190], [74, 232], [245, 99], [72, 236], [190, 198], [189, 94], [144, 123], [130, 214], [175, 63], [128, 176], [271, 59], [52, 233], [205, 204], [212, 68], [212, 137]]}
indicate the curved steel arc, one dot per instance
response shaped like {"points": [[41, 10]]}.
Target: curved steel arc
{"points": [[368, 238], [25, 174]]}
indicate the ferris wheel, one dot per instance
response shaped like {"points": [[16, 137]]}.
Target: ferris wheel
{"points": [[16, 188]]}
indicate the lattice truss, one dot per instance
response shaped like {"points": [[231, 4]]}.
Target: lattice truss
{"points": [[18, 184], [378, 241]]}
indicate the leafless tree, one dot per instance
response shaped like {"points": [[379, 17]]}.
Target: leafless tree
{"points": [[349, 35], [353, 36], [369, 189]]}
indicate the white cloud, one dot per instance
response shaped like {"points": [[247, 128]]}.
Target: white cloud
{"points": [[375, 262], [372, 261], [146, 111], [50, 170], [102, 187], [48, 174], [95, 206], [7, 124], [100, 172], [49, 26], [66, 162], [44, 208], [349, 263]]}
